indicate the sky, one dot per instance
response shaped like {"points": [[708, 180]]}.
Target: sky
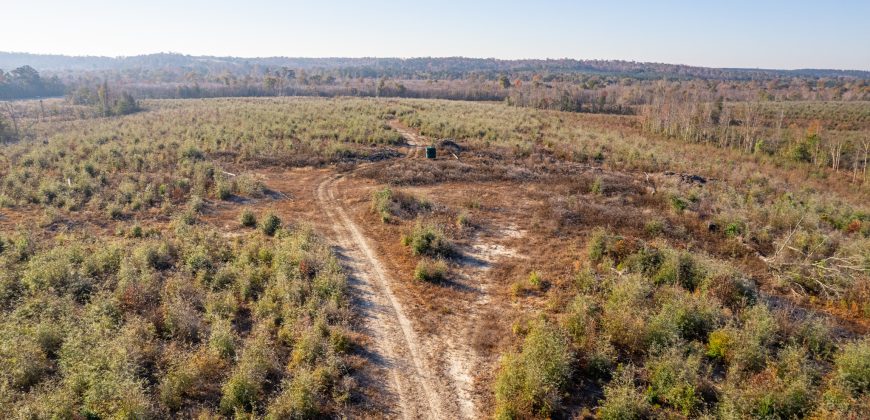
{"points": [[831, 34]]}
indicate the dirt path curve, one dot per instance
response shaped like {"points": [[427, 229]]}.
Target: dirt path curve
{"points": [[415, 141], [394, 341], [410, 136]]}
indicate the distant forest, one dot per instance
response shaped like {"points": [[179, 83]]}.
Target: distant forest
{"points": [[412, 68], [25, 82], [597, 86]]}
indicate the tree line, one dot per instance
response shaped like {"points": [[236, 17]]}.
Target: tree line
{"points": [[25, 82], [800, 132], [408, 68]]}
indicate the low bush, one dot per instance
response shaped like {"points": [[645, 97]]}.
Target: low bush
{"points": [[244, 389], [388, 203], [852, 366], [382, 201], [530, 383], [427, 239], [720, 344], [270, 224], [196, 204], [627, 329], [622, 399], [784, 389], [674, 380], [248, 186], [535, 280], [683, 317], [248, 219], [579, 321], [747, 348], [462, 220], [192, 379], [433, 271], [223, 190], [680, 269]]}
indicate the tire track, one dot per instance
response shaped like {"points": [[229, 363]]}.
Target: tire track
{"points": [[393, 336]]}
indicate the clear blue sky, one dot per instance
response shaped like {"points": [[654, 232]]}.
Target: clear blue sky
{"points": [[771, 34]]}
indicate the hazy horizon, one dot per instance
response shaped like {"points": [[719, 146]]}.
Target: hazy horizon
{"points": [[417, 57], [773, 35]]}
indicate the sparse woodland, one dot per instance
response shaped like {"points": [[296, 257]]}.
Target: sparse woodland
{"points": [[714, 260]]}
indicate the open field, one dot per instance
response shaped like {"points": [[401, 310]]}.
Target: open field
{"points": [[298, 258]]}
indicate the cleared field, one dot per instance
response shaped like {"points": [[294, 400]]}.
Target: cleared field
{"points": [[295, 258]]}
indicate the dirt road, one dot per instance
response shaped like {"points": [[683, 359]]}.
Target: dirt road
{"points": [[395, 343]]}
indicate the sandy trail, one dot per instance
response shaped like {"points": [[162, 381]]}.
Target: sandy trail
{"points": [[416, 142], [394, 340]]}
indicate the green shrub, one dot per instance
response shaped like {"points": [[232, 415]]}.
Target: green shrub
{"points": [[426, 239], [156, 255], [647, 261], [192, 153], [597, 187], [222, 340], [627, 329], [247, 218], [600, 358], [530, 383], [223, 190], [311, 347], [187, 218], [136, 231], [679, 204], [387, 203], [115, 212], [783, 390], [747, 348], [654, 227], [579, 321], [59, 270], [734, 229], [196, 204], [181, 320], [381, 202], [597, 245], [190, 379], [732, 289], [720, 343], [535, 280], [622, 399], [300, 397], [245, 386], [680, 269], [674, 380], [270, 224], [815, 336], [852, 366], [683, 317], [248, 186], [23, 362], [433, 271]]}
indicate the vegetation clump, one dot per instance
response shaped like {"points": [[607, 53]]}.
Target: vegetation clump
{"points": [[248, 219], [531, 382], [427, 239], [433, 271], [388, 203], [270, 224]]}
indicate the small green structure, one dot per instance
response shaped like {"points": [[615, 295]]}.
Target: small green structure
{"points": [[430, 152]]}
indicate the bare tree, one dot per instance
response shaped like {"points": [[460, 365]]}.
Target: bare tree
{"points": [[13, 118]]}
